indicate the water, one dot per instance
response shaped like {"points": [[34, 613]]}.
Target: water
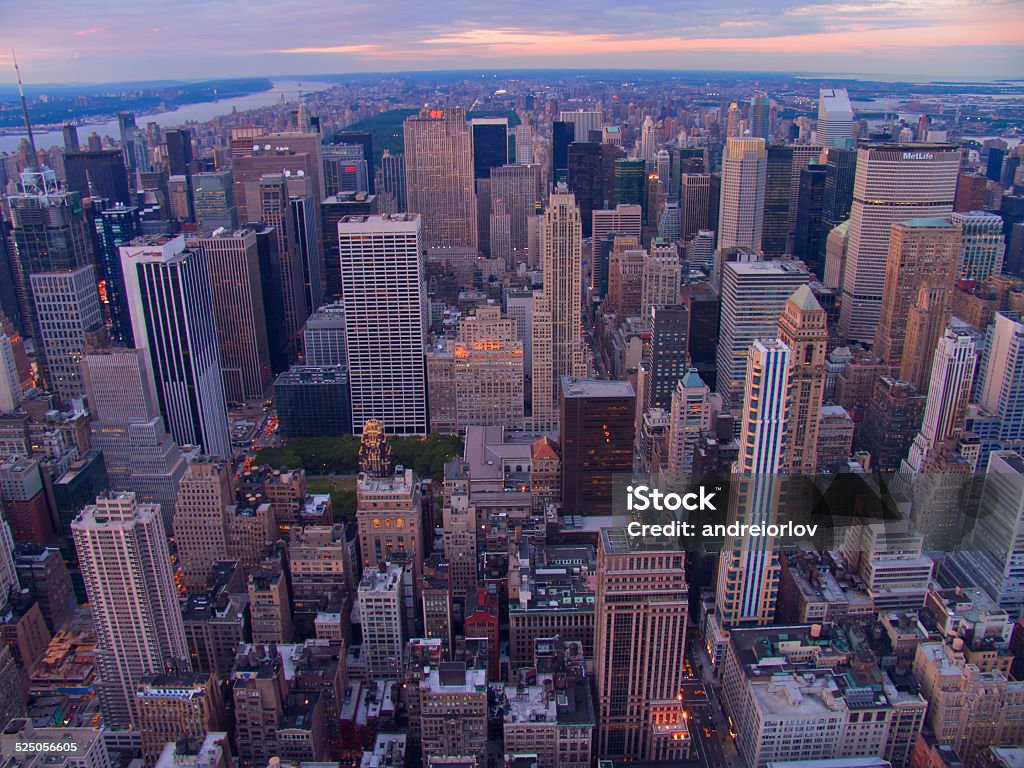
{"points": [[198, 112]]}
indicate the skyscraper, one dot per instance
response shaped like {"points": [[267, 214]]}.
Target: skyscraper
{"points": [[1001, 384], [490, 144], [171, 305], [385, 318], [920, 273], [524, 144], [563, 133], [690, 417], [641, 593], [894, 182], [748, 568], [98, 174], [695, 204], [809, 235], [584, 121], [324, 336], [840, 167], [952, 375], [381, 602], [122, 551], [591, 177], [665, 355], [741, 210], [238, 312], [439, 177], [648, 139], [754, 295], [518, 187], [983, 244], [213, 195], [802, 327], [392, 180], [115, 227], [199, 526], [557, 319], [835, 118], [760, 116]]}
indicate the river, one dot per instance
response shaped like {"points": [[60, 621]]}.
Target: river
{"points": [[198, 112]]}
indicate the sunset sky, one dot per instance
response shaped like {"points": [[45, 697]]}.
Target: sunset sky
{"points": [[108, 40]]}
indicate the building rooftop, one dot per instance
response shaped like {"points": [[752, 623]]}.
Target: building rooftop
{"points": [[595, 388], [928, 221]]}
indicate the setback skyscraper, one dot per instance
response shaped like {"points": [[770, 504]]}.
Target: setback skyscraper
{"points": [[741, 209]]}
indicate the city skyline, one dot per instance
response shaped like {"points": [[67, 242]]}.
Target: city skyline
{"points": [[881, 37]]}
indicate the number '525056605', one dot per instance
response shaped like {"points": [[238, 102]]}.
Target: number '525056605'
{"points": [[37, 747]]}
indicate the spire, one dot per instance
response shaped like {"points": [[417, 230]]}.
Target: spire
{"points": [[24, 109]]}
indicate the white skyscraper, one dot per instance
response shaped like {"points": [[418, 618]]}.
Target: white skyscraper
{"points": [[950, 385], [8, 573], [748, 568], [1000, 391], [983, 245], [10, 380], [835, 118], [689, 418], [171, 306], [122, 549], [380, 612], [893, 183], [385, 320], [584, 121], [524, 144], [648, 139], [557, 321], [741, 206]]}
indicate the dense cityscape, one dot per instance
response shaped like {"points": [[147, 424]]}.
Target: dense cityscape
{"points": [[318, 421]]}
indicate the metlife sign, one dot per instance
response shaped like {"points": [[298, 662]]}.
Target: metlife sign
{"points": [[918, 156]]}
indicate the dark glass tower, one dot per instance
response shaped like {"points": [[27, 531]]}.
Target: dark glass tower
{"points": [[115, 227], [562, 135], [490, 146], [98, 174], [810, 232]]}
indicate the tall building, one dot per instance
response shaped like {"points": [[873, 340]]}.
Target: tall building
{"points": [[518, 188], [661, 276], [115, 227], [591, 177], [952, 376], [381, 607], [741, 208], [453, 715], [557, 319], [584, 121], [312, 401], [126, 567], [563, 133], [840, 168], [666, 357], [620, 220], [802, 327], [392, 180], [171, 305], [630, 182], [596, 434], [324, 336], [748, 568], [754, 295], [760, 116], [260, 159], [439, 177], [1000, 390], [67, 307], [835, 118], [238, 311], [810, 233], [690, 417], [8, 573], [176, 706], [490, 144], [98, 174], [982, 246], [919, 281], [894, 183], [695, 204], [213, 195], [199, 529], [385, 317], [641, 593], [648, 139]]}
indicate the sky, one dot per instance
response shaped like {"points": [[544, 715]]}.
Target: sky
{"points": [[63, 41]]}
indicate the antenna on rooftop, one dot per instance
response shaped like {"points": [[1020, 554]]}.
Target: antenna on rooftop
{"points": [[24, 109]]}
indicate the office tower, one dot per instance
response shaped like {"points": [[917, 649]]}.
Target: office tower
{"points": [[970, 192], [994, 164], [760, 116], [439, 177], [115, 227], [235, 279], [810, 233], [591, 177], [748, 568], [802, 327], [453, 715], [270, 599], [392, 180], [278, 342], [741, 209], [778, 174], [891, 421], [171, 304], [385, 317], [70, 131], [364, 140], [312, 401], [519, 190], [556, 323], [24, 500], [324, 336], [49, 233], [42, 571], [641, 592], [695, 201], [648, 139], [98, 174], [179, 199], [584, 122], [630, 182], [665, 355], [689, 418], [179, 151], [1000, 391], [596, 436], [8, 573], [835, 118], [307, 244], [920, 275], [840, 168], [388, 518], [982, 246], [67, 307], [563, 133], [263, 159], [952, 376], [138, 454], [332, 210], [661, 276], [381, 605], [835, 255], [213, 196], [122, 552], [293, 242], [620, 220], [345, 169], [523, 137], [894, 183], [490, 144], [519, 306], [176, 706], [754, 295], [732, 121], [199, 530], [625, 281], [670, 223], [10, 379]]}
